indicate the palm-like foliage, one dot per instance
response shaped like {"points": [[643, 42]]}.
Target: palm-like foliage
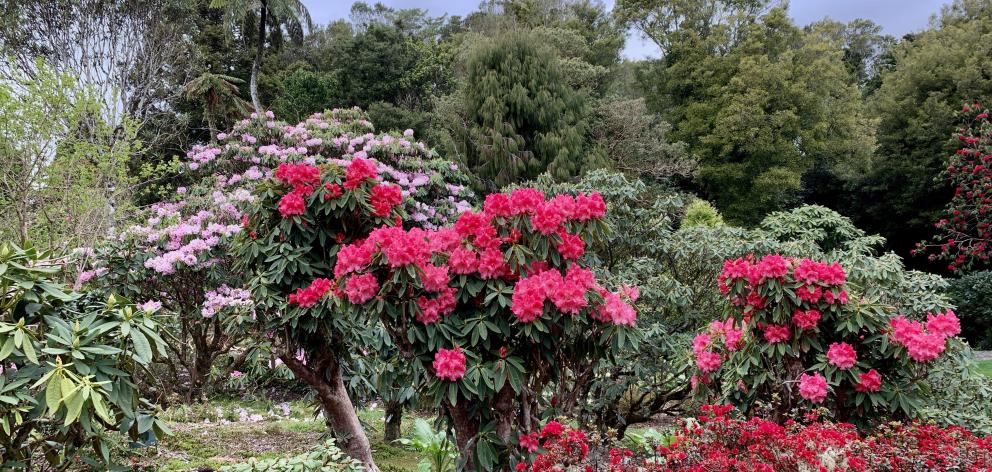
{"points": [[236, 12], [220, 96]]}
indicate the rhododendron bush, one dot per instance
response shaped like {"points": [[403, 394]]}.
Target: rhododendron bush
{"points": [[178, 260], [964, 234], [801, 336], [495, 311], [716, 441]]}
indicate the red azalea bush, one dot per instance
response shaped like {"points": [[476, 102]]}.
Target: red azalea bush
{"points": [[799, 333], [495, 311], [717, 442], [964, 234]]}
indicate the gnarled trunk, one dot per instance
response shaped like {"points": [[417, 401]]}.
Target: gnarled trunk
{"points": [[466, 427], [339, 412], [393, 420]]}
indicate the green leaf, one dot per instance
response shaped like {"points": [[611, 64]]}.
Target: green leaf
{"points": [[142, 350]]}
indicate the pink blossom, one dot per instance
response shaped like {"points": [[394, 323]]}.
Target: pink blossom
{"points": [[813, 387]]}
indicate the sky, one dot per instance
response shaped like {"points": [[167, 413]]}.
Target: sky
{"points": [[897, 17]]}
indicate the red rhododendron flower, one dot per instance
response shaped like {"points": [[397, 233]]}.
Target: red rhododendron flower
{"points": [[552, 429], [292, 204], [384, 197], [589, 207], [463, 261], [870, 381], [498, 204], [302, 177], [571, 247], [358, 170], [352, 257], [525, 200], [773, 266], [449, 364], [435, 278], [776, 333], [813, 387], [547, 218], [361, 288], [529, 442], [842, 355], [491, 264], [309, 296], [332, 191]]}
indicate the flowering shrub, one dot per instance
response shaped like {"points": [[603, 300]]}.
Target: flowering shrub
{"points": [[716, 441], [799, 336], [495, 309], [179, 258], [963, 235]]}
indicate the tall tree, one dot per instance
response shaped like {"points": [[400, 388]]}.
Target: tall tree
{"points": [[934, 72], [760, 101], [237, 13], [522, 118], [219, 94]]}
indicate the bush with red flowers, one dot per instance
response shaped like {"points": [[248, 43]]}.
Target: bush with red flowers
{"points": [[716, 441], [964, 234], [800, 336], [497, 311]]}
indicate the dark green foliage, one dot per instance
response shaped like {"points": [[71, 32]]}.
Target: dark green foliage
{"points": [[972, 294], [523, 119], [934, 73], [303, 92], [761, 103]]}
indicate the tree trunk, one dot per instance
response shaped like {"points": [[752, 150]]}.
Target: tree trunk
{"points": [[338, 409], [394, 419], [212, 125], [257, 64], [466, 427]]}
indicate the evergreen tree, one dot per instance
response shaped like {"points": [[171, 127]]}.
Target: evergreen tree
{"points": [[522, 117]]}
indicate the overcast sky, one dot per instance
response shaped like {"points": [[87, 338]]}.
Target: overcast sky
{"points": [[897, 17]]}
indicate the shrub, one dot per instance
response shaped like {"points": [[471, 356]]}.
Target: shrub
{"points": [[701, 213], [972, 294], [66, 365], [495, 311], [325, 457], [331, 194], [799, 332], [715, 441]]}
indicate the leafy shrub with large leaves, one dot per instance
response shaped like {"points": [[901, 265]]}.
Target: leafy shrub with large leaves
{"points": [[66, 361]]}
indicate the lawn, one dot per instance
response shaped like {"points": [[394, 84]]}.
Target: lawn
{"points": [[985, 367]]}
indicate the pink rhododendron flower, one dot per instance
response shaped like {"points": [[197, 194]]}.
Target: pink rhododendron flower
{"points": [[946, 324], [842, 355], [491, 264], [806, 319], [589, 206], [708, 361], [292, 204], [435, 278], [529, 442], [498, 205], [449, 364], [525, 200], [773, 266], [463, 261], [361, 288], [813, 387]]}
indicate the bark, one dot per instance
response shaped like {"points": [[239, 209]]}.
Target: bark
{"points": [[394, 419], [466, 427], [338, 409], [257, 64]]}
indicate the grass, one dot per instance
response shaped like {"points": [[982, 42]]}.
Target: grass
{"points": [[985, 367], [215, 434]]}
